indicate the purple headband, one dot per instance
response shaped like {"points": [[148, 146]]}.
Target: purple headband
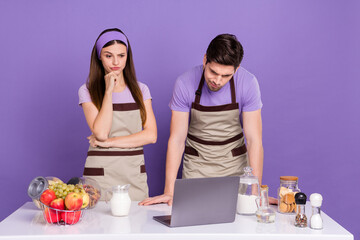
{"points": [[107, 37]]}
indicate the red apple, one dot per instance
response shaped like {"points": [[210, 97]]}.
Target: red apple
{"points": [[58, 204], [71, 217], [73, 201], [47, 197], [52, 216]]}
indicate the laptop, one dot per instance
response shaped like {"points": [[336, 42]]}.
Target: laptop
{"points": [[199, 201]]}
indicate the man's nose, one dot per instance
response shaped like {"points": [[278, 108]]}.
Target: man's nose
{"points": [[218, 79]]}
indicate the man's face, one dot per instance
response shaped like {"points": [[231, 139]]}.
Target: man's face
{"points": [[217, 75]]}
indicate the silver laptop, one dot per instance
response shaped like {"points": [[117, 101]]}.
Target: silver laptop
{"points": [[199, 201]]}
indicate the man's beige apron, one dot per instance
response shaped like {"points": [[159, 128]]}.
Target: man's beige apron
{"points": [[114, 166], [215, 142]]}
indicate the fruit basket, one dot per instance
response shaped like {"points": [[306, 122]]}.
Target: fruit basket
{"points": [[61, 217], [64, 203]]}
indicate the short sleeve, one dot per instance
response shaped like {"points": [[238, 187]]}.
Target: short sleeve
{"points": [[145, 91], [180, 98], [84, 95], [251, 96]]}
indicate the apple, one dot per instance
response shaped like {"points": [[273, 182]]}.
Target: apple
{"points": [[47, 197], [71, 217], [73, 201], [58, 204], [52, 216], [86, 200]]}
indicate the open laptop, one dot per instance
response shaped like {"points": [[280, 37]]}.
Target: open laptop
{"points": [[199, 201]]}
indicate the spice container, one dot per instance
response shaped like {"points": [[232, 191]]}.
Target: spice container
{"points": [[300, 219], [316, 221], [286, 194], [248, 193]]}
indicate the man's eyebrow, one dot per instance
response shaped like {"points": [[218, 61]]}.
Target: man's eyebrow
{"points": [[225, 75]]}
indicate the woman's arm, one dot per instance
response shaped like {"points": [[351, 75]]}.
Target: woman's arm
{"points": [[100, 121], [146, 136]]}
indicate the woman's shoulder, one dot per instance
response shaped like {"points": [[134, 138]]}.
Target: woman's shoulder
{"points": [[83, 88], [145, 90], [84, 95]]}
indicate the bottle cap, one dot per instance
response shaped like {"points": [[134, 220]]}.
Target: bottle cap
{"points": [[248, 178], [37, 186], [316, 199], [300, 198]]}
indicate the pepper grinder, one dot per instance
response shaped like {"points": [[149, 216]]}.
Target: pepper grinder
{"points": [[316, 221], [300, 219]]}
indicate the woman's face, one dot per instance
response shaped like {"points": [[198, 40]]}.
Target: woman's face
{"points": [[113, 58]]}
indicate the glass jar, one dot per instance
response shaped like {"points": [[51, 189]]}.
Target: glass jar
{"points": [[286, 194], [248, 193]]}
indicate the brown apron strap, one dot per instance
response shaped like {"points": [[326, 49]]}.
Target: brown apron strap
{"points": [[230, 140], [198, 91], [115, 153], [232, 87], [125, 106], [92, 171]]}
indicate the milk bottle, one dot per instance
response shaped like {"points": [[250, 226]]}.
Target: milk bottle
{"points": [[120, 201]]}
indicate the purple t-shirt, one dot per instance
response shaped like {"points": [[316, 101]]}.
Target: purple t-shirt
{"points": [[117, 97], [246, 88]]}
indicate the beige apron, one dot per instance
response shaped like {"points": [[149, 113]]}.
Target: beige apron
{"points": [[114, 166], [215, 143]]}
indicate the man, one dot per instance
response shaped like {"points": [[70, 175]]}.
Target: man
{"points": [[215, 96]]}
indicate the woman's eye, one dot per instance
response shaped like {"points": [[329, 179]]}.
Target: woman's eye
{"points": [[108, 56]]}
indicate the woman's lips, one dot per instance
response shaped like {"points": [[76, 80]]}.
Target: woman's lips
{"points": [[115, 68]]}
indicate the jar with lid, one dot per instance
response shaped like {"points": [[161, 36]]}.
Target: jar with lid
{"points": [[249, 190], [286, 194]]}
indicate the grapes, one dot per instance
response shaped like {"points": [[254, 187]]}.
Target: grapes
{"points": [[63, 189]]}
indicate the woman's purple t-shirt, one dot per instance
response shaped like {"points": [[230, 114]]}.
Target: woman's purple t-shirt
{"points": [[117, 97], [246, 88]]}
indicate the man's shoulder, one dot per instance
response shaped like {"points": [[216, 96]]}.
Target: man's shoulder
{"points": [[192, 75], [243, 74]]}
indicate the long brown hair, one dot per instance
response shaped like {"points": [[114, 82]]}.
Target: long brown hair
{"points": [[96, 83]]}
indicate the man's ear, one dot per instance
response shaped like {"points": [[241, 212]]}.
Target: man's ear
{"points": [[204, 61]]}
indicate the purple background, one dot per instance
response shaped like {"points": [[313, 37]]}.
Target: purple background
{"points": [[305, 55]]}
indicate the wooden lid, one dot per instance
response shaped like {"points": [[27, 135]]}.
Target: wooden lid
{"points": [[289, 178], [264, 186]]}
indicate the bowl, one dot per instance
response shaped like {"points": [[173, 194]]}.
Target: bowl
{"points": [[61, 217]]}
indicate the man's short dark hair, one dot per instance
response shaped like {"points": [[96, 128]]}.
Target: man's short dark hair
{"points": [[225, 49]]}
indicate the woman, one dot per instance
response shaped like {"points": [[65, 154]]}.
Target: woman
{"points": [[118, 111]]}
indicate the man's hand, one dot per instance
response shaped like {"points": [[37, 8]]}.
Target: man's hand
{"points": [[157, 199]]}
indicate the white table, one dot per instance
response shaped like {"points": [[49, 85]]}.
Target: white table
{"points": [[27, 223]]}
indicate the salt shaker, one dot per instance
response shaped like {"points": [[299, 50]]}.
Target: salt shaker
{"points": [[300, 219], [316, 221]]}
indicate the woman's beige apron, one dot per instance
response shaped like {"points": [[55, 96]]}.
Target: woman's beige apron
{"points": [[215, 142], [114, 166]]}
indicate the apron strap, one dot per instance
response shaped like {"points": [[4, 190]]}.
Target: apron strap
{"points": [[198, 91], [232, 87], [201, 84]]}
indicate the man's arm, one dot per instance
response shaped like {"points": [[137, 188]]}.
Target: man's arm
{"points": [[176, 144], [253, 133]]}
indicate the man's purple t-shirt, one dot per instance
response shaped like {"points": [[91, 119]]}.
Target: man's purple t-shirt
{"points": [[246, 88], [117, 97]]}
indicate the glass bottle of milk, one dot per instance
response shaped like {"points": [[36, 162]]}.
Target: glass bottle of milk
{"points": [[248, 193], [120, 201]]}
